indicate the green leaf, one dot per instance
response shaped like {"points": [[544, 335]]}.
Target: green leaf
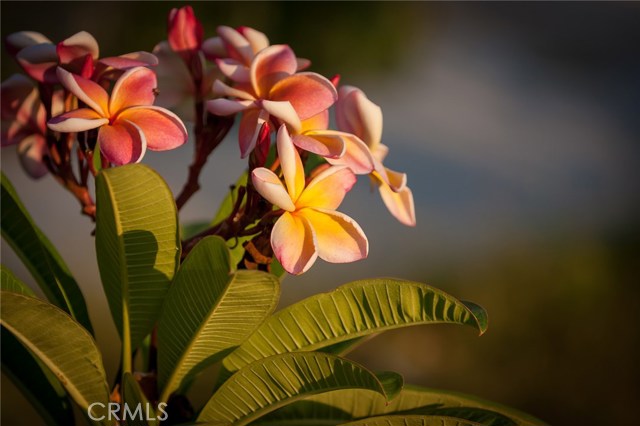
{"points": [[208, 312], [61, 344], [40, 256], [334, 408], [137, 246], [273, 382], [97, 158], [353, 310], [133, 398], [33, 378], [412, 421]]}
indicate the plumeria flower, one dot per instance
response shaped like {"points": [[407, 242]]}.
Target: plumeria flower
{"points": [[24, 123], [309, 227], [356, 114], [185, 32], [275, 90], [39, 57], [127, 120]]}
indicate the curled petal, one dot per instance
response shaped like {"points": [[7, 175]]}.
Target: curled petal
{"points": [[78, 120], [236, 45], [271, 188], [400, 204], [328, 147], [224, 106], [233, 69], [87, 91], [77, 46], [308, 92], [294, 243], [250, 125], [290, 163], [134, 88], [31, 152], [356, 155], [339, 238], [17, 41], [39, 61], [122, 143], [213, 48], [130, 60], [356, 114], [396, 180], [163, 130], [271, 65], [284, 111], [327, 189], [257, 40], [222, 89]]}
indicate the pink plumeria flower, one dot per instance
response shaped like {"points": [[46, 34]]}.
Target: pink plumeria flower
{"points": [[127, 120], [275, 90], [356, 114], [309, 227], [39, 57], [233, 50], [24, 123]]}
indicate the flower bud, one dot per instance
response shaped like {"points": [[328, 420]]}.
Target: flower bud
{"points": [[185, 32]]}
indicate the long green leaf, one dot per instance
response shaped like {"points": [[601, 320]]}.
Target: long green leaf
{"points": [[351, 311], [137, 409], [209, 311], [334, 408], [273, 382], [29, 375], [412, 421], [137, 245], [40, 256], [61, 344]]}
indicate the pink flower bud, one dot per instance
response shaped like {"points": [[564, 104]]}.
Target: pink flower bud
{"points": [[185, 32]]}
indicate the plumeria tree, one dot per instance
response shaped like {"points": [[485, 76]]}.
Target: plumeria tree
{"points": [[183, 300]]}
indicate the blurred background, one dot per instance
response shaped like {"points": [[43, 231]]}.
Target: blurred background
{"points": [[518, 125]]}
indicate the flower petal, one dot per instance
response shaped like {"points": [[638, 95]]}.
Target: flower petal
{"points": [[15, 42], [162, 129], [134, 88], [250, 125], [294, 243], [87, 91], [396, 180], [290, 163], [234, 70], [39, 61], [308, 92], [77, 47], [31, 152], [223, 106], [122, 143], [356, 156], [78, 120], [400, 204], [271, 188], [236, 45], [328, 147], [222, 89], [130, 60], [257, 40], [327, 189], [213, 48], [317, 122], [185, 31], [356, 114], [284, 111], [339, 238], [271, 65]]}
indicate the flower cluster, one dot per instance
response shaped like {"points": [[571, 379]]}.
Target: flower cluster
{"points": [[296, 184]]}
